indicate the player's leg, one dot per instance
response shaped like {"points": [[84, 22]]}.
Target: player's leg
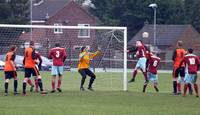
{"points": [[135, 70], [186, 82], [156, 84], [36, 84], [54, 73], [196, 88], [179, 81], [36, 73], [133, 75], [7, 79], [175, 75], [15, 83], [83, 74], [31, 84], [92, 78], [53, 79], [60, 72], [26, 78], [143, 68], [146, 83]]}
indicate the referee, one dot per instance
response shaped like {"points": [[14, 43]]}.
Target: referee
{"points": [[84, 65]]}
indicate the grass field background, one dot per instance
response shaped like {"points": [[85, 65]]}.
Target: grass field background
{"points": [[108, 98]]}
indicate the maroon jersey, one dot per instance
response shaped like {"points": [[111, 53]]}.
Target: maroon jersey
{"points": [[38, 56], [58, 55], [141, 51], [153, 64], [192, 63]]}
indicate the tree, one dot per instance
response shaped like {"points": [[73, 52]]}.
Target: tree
{"points": [[14, 11], [134, 13]]}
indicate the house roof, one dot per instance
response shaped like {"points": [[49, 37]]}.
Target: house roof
{"points": [[166, 34], [47, 7]]}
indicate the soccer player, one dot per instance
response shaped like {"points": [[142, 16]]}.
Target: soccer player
{"points": [[84, 65], [177, 57], [30, 68], [152, 66], [58, 55], [141, 64], [10, 70], [192, 65], [38, 65]]}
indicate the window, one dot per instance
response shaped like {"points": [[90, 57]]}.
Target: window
{"points": [[84, 33], [58, 30]]}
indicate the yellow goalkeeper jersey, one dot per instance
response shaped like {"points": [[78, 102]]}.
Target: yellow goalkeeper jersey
{"points": [[84, 59]]}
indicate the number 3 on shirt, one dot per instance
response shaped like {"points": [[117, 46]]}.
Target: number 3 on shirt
{"points": [[57, 54]]}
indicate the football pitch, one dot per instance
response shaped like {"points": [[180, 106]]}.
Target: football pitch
{"points": [[107, 99]]}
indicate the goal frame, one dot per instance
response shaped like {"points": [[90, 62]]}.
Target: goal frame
{"points": [[124, 29]]}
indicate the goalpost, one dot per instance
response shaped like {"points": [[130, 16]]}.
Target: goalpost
{"points": [[111, 40]]}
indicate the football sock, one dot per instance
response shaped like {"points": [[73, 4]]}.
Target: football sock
{"points": [[24, 87], [175, 86], [36, 84], [190, 88], [53, 84], [144, 87], [179, 87], [196, 89], [83, 81], [59, 83], [185, 89], [156, 88], [40, 84], [6, 87], [15, 85], [91, 82], [134, 74], [145, 76]]}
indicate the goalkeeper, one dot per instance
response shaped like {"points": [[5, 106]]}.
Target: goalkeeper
{"points": [[83, 67]]}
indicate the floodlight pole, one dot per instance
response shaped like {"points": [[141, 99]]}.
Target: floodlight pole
{"points": [[31, 18], [155, 27], [154, 6]]}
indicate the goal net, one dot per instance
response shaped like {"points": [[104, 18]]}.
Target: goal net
{"points": [[110, 67]]}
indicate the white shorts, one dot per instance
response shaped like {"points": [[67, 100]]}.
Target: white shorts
{"points": [[57, 70], [141, 64]]}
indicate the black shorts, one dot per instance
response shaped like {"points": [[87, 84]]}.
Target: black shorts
{"points": [[10, 74], [31, 71], [85, 72], [179, 71]]}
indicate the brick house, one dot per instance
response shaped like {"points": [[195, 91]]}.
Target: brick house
{"points": [[167, 36], [65, 13]]}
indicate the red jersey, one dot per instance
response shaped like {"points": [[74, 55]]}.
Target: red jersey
{"points": [[153, 64], [58, 55], [192, 63], [141, 51], [38, 56]]}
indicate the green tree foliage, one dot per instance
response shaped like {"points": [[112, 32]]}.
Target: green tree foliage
{"points": [[133, 13], [14, 11]]}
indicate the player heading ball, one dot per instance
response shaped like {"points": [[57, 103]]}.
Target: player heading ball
{"points": [[84, 65]]}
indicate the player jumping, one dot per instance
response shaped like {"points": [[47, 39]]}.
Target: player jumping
{"points": [[152, 66], [141, 64], [10, 70], [58, 55], [192, 65], [84, 65], [30, 68]]}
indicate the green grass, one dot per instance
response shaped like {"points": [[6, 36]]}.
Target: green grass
{"points": [[108, 99]]}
